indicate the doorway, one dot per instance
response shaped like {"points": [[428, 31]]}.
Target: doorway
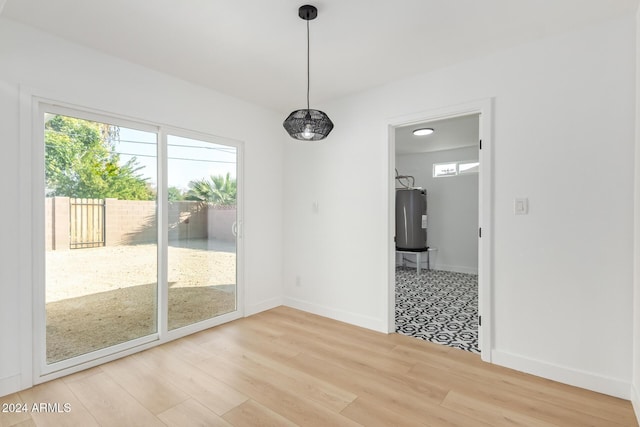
{"points": [[139, 241], [438, 300], [449, 301]]}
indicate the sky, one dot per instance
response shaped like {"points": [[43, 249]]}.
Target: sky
{"points": [[188, 159]]}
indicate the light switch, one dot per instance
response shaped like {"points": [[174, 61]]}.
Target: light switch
{"points": [[520, 206]]}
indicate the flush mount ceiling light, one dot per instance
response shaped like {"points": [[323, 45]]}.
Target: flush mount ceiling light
{"points": [[308, 124], [423, 132]]}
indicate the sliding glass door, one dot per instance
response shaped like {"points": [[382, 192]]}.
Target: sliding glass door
{"points": [[123, 266], [202, 216], [100, 235]]}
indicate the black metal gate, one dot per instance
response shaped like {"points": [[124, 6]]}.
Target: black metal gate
{"points": [[86, 222]]}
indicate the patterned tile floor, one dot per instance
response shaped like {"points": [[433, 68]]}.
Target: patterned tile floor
{"points": [[438, 306]]}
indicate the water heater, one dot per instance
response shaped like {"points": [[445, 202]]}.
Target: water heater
{"points": [[411, 219]]}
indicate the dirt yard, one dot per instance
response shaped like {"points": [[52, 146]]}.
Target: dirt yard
{"points": [[99, 297]]}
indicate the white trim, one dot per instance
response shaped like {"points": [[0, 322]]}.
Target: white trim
{"points": [[435, 266], [119, 351], [201, 326], [635, 401], [163, 234], [93, 115], [49, 371], [263, 306], [485, 220], [241, 293], [10, 384], [484, 108], [391, 231], [38, 240], [207, 137], [25, 245], [93, 363], [587, 380], [367, 322]]}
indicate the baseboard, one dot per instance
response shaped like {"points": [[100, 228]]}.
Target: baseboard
{"points": [[452, 268], [456, 269], [262, 306], [367, 322], [10, 385], [594, 382], [635, 401]]}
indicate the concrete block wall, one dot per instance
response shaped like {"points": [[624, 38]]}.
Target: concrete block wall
{"points": [[132, 222]]}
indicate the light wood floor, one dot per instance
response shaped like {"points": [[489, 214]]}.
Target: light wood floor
{"points": [[284, 367]]}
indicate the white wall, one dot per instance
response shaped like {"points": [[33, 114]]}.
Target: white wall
{"points": [[54, 68], [635, 383], [452, 208], [563, 137]]}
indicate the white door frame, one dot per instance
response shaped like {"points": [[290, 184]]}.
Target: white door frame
{"points": [[32, 346], [484, 108]]}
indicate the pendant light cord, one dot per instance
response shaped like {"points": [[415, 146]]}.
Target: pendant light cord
{"points": [[301, 124], [308, 73]]}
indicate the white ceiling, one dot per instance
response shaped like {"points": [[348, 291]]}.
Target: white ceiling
{"points": [[256, 49], [448, 134]]}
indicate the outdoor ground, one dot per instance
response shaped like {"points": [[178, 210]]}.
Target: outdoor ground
{"points": [[99, 297]]}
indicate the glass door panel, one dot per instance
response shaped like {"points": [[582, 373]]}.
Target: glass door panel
{"points": [[100, 235], [202, 230]]}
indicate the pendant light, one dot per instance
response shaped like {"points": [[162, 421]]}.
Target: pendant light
{"points": [[308, 124]]}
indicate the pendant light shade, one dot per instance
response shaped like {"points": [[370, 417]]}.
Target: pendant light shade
{"points": [[308, 124]]}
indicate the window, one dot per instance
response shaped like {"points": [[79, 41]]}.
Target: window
{"points": [[455, 168], [139, 235], [445, 169], [468, 167]]}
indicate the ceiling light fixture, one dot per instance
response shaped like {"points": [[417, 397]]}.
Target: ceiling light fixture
{"points": [[423, 131], [308, 124]]}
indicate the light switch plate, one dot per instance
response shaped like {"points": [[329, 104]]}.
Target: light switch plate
{"points": [[520, 206]]}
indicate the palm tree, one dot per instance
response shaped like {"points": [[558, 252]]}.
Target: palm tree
{"points": [[220, 190]]}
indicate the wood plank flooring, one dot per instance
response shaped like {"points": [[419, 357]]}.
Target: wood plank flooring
{"points": [[284, 367]]}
